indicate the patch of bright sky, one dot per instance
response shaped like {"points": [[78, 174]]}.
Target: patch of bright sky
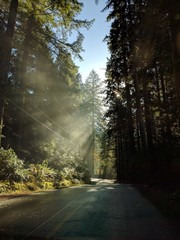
{"points": [[95, 50]]}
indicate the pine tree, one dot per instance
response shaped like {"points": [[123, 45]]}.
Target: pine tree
{"points": [[141, 93]]}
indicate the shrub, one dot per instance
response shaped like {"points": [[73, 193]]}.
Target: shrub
{"points": [[62, 183], [11, 167], [32, 186], [20, 186], [47, 185], [65, 183], [76, 181], [5, 186], [67, 173], [41, 172]]}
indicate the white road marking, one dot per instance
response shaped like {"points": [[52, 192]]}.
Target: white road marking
{"points": [[49, 219], [53, 231]]}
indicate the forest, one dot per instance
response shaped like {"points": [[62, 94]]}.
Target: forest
{"points": [[143, 89], [49, 118], [55, 129]]}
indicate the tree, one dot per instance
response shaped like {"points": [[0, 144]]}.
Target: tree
{"points": [[35, 43], [92, 115], [5, 50], [140, 88]]}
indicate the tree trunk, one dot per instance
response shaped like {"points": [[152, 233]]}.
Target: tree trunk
{"points": [[160, 91], [130, 119], [120, 157], [118, 160], [2, 100], [5, 59], [175, 57], [93, 127], [157, 84], [139, 115], [27, 41], [148, 119], [167, 135], [7, 43]]}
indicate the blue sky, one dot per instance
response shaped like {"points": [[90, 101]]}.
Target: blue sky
{"points": [[96, 52]]}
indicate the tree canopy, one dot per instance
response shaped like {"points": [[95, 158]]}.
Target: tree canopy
{"points": [[40, 85]]}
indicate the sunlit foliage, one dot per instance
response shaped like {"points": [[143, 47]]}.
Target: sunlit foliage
{"points": [[38, 94]]}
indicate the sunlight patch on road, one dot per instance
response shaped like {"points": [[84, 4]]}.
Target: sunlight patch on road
{"points": [[93, 190], [110, 188], [102, 181]]}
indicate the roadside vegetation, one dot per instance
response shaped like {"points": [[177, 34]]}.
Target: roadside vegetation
{"points": [[18, 177]]}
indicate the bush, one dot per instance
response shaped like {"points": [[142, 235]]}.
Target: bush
{"points": [[41, 172], [76, 181], [62, 183], [65, 183], [71, 169], [20, 186], [5, 186], [11, 167], [32, 186], [48, 185]]}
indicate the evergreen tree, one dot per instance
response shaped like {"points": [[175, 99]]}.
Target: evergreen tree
{"points": [[141, 93], [92, 111]]}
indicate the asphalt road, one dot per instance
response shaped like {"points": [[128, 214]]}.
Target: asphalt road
{"points": [[102, 211]]}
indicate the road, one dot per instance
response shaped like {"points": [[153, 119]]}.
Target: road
{"points": [[101, 211]]}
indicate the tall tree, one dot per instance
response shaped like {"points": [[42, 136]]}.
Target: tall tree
{"points": [[92, 111], [5, 49], [34, 36], [141, 93]]}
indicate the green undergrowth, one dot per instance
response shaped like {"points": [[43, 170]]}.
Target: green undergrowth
{"points": [[22, 188], [18, 177]]}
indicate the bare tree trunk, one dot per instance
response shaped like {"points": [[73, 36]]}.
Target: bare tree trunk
{"points": [[148, 120], [117, 159], [130, 119], [5, 59], [139, 115], [167, 134], [120, 156], [2, 118], [93, 128], [175, 57], [160, 89], [26, 51]]}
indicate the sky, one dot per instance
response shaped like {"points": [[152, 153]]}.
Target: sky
{"points": [[95, 50]]}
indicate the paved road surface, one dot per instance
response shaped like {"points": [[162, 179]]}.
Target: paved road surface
{"points": [[102, 211]]}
